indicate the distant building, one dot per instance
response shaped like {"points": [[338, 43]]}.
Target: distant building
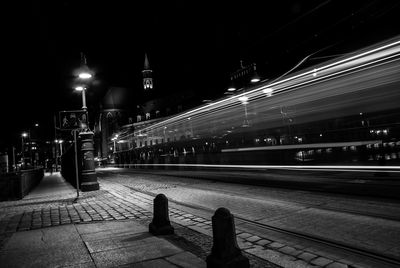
{"points": [[120, 116], [114, 113]]}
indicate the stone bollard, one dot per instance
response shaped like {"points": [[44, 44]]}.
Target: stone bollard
{"points": [[160, 224], [225, 252]]}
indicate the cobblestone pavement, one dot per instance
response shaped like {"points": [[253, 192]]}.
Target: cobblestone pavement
{"points": [[277, 249], [104, 205], [116, 201], [19, 216], [278, 253]]}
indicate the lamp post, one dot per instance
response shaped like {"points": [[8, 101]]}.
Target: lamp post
{"points": [[23, 135], [83, 89], [61, 147], [114, 140], [89, 179]]}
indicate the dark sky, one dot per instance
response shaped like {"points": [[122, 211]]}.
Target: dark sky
{"points": [[191, 45]]}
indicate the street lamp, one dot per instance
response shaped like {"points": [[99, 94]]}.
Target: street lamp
{"points": [[23, 135], [255, 78], [89, 179], [83, 89], [61, 147], [60, 144], [114, 140]]}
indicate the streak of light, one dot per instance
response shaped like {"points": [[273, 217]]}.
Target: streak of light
{"points": [[340, 85], [355, 168], [302, 146]]}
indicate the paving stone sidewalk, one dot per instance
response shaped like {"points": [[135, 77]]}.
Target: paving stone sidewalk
{"points": [[101, 244], [60, 212], [116, 202]]}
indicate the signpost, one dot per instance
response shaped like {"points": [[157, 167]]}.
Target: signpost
{"points": [[70, 120]]}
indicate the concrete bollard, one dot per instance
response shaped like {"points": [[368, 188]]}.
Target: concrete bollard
{"points": [[225, 252], [160, 224]]}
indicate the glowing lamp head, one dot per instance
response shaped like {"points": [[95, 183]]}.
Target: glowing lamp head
{"points": [[230, 89], [24, 134], [79, 88], [85, 75], [255, 80]]}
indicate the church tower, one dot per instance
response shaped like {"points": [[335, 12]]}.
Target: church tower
{"points": [[147, 74]]}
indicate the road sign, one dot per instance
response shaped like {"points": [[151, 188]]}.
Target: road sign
{"points": [[73, 119]]}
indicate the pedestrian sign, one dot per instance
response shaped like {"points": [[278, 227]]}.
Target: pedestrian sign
{"points": [[73, 119]]}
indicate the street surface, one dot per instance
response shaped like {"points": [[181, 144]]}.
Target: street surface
{"points": [[273, 225], [369, 224]]}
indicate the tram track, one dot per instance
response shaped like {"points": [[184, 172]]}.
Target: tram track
{"points": [[394, 217], [376, 256], [380, 259]]}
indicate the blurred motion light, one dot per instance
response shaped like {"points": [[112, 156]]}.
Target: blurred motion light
{"points": [[268, 91], [243, 99]]}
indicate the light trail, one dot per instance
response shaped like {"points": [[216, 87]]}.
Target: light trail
{"points": [[303, 146], [365, 81], [343, 168], [358, 61]]}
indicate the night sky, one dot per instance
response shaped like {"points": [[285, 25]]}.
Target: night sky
{"points": [[190, 44]]}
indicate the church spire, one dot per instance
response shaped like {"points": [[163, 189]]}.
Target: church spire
{"points": [[147, 74], [146, 62]]}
